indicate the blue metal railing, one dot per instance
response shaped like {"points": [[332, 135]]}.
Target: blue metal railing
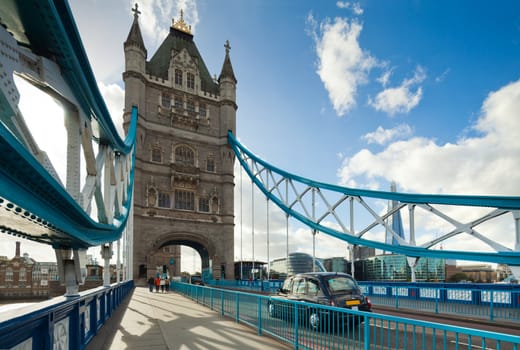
{"points": [[61, 323], [481, 300], [337, 328]]}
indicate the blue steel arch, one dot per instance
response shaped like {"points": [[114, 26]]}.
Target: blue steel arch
{"points": [[255, 167], [33, 204], [30, 192], [48, 28]]}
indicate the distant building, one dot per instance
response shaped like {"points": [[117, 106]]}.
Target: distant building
{"points": [[363, 253], [297, 263], [249, 269], [337, 264], [24, 278], [394, 267], [479, 273], [503, 272]]}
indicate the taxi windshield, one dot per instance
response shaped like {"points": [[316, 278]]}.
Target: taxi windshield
{"points": [[342, 284]]}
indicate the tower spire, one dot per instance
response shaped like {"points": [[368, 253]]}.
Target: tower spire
{"points": [[227, 68], [134, 36]]}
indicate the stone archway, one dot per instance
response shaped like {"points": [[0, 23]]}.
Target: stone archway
{"points": [[205, 248], [215, 253]]}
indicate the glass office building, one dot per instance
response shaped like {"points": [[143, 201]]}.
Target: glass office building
{"points": [[337, 264], [393, 267], [296, 263]]}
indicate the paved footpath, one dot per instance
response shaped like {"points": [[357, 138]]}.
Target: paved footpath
{"points": [[155, 321]]}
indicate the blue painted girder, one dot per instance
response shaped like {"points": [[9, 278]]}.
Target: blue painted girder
{"points": [[500, 202]]}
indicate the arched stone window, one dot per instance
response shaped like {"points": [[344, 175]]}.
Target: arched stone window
{"points": [[164, 200], [204, 204], [178, 104], [190, 81], [156, 155], [210, 164], [178, 77], [184, 155], [184, 200], [190, 105], [165, 100], [202, 109]]}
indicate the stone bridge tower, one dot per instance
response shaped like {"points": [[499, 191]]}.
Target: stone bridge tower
{"points": [[184, 181]]}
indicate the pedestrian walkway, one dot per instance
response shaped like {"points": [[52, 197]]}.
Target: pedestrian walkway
{"points": [[155, 321]]}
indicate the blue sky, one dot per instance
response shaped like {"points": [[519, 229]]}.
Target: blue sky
{"points": [[425, 93]]}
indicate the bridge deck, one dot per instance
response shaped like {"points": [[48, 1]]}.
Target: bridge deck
{"points": [[169, 321]]}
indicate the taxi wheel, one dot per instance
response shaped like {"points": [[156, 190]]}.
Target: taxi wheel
{"points": [[314, 319]]}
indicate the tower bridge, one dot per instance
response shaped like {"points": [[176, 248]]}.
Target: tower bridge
{"points": [[170, 181]]}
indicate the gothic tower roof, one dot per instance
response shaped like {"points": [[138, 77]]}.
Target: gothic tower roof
{"points": [[227, 68], [179, 38], [134, 36]]}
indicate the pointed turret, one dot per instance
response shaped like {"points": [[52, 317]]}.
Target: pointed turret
{"points": [[135, 66], [134, 36], [228, 87], [227, 68], [135, 51]]}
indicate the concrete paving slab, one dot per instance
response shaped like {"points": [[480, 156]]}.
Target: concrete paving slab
{"points": [[154, 321]]}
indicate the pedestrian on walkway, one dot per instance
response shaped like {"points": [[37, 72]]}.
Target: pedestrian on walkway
{"points": [[157, 283], [151, 283], [163, 281]]}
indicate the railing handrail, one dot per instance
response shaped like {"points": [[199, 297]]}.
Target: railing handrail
{"points": [[83, 316]]}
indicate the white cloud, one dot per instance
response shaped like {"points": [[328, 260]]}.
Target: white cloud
{"points": [[32, 102], [443, 76], [400, 99], [385, 77], [355, 6], [342, 64], [156, 13], [38, 251], [486, 164], [382, 136], [114, 97]]}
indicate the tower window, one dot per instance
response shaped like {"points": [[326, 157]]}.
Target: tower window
{"points": [[190, 106], [165, 101], [204, 205], [210, 164], [178, 102], [156, 155], [164, 200], [184, 200], [190, 81], [178, 77], [202, 109], [184, 155]]}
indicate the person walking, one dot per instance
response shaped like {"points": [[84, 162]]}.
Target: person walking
{"points": [[157, 283], [151, 283], [162, 285]]}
